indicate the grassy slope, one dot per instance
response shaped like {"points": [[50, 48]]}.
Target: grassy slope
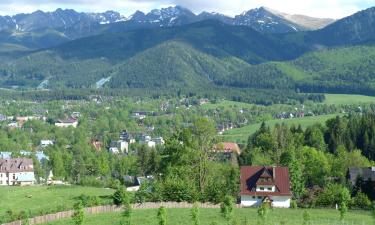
{"points": [[209, 216], [227, 104], [241, 135], [43, 199], [341, 99]]}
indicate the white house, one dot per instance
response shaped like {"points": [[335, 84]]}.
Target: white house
{"points": [[67, 123], [114, 150], [45, 143], [17, 171], [261, 184], [122, 146]]}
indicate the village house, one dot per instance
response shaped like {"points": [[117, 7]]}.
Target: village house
{"points": [[5, 155], [139, 115], [121, 145], [260, 184], [226, 150], [126, 136], [46, 143], [367, 174], [71, 122], [17, 171]]}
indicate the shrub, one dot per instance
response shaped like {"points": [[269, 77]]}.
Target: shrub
{"points": [[162, 216], [343, 210], [263, 212], [333, 194], [78, 215], [293, 204], [361, 201], [89, 201], [121, 196], [195, 214], [227, 207], [306, 218]]}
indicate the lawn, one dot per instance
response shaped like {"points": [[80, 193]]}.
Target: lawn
{"points": [[41, 199], [213, 216], [341, 99], [225, 104], [240, 135]]}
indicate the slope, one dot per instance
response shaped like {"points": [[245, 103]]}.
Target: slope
{"points": [[172, 65]]}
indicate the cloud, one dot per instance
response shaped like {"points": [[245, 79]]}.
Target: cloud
{"points": [[318, 8]]}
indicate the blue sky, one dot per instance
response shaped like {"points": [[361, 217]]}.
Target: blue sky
{"points": [[318, 8]]}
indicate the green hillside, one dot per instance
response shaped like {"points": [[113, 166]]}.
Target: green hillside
{"points": [[241, 135]]}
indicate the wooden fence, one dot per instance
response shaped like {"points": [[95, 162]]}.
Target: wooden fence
{"points": [[111, 208]]}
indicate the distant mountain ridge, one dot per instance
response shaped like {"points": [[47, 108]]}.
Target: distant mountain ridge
{"points": [[64, 25]]}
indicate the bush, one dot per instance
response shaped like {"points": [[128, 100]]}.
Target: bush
{"points": [[195, 214], [293, 204], [227, 207], [263, 212], [78, 215], [361, 201], [121, 196], [89, 201], [333, 194], [306, 218], [162, 216]]}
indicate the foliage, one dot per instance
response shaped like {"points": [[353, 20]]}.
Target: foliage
{"points": [[306, 218], [79, 214], [227, 207], [121, 196], [195, 214], [162, 216], [263, 211]]}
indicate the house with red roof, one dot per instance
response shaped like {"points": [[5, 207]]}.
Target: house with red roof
{"points": [[261, 184]]}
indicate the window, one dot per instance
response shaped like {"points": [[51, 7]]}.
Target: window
{"points": [[270, 189], [259, 197], [261, 188], [253, 197]]}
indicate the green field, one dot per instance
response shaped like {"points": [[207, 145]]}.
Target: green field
{"points": [[240, 135], [213, 216], [341, 99], [41, 199], [225, 104]]}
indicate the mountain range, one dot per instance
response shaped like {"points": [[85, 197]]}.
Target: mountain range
{"points": [[205, 54], [45, 29]]}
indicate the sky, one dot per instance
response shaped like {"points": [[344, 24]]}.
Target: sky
{"points": [[317, 8]]}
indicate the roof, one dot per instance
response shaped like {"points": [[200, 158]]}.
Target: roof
{"points": [[366, 173], [250, 179], [228, 147], [16, 165], [70, 120]]}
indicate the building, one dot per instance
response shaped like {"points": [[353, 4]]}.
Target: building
{"points": [[126, 136], [18, 171], [121, 145], [40, 156], [226, 150], [67, 123], [159, 140], [114, 150], [5, 155], [139, 115], [365, 173], [260, 184], [46, 143]]}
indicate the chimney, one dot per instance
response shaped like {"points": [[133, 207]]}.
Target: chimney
{"points": [[273, 172]]}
